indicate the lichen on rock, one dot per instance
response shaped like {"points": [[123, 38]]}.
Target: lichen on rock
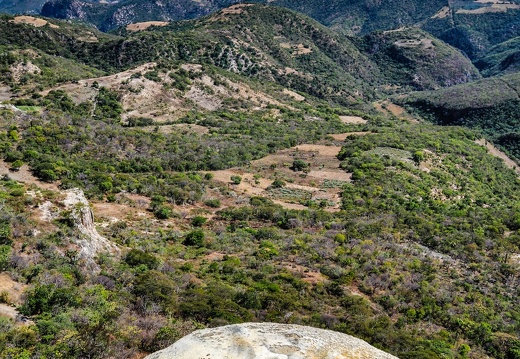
{"points": [[269, 341]]}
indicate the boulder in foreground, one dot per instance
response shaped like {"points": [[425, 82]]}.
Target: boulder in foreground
{"points": [[269, 341]]}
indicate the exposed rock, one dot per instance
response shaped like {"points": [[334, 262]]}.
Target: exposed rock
{"points": [[92, 243], [269, 341]]}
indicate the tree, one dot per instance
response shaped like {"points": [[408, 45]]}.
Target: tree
{"points": [[194, 238], [236, 179], [299, 165]]}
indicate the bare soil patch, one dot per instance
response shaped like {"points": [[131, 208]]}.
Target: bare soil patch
{"points": [[490, 9], [343, 136], [21, 69], [497, 153], [356, 120], [5, 93], [25, 176], [321, 182], [390, 108], [294, 95], [301, 49], [336, 175], [306, 274], [32, 21], [443, 13], [327, 151], [426, 43], [140, 26], [12, 288]]}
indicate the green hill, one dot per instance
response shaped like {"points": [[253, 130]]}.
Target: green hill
{"points": [[491, 105], [501, 59]]}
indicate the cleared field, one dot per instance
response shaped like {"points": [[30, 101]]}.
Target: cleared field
{"points": [[140, 26]]}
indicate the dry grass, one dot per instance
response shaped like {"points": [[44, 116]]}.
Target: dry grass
{"points": [[140, 26], [32, 21], [497, 153], [489, 9], [443, 13], [356, 120]]}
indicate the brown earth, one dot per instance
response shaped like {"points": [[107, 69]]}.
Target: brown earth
{"points": [[25, 176], [140, 26], [356, 120], [497, 153], [389, 108], [343, 136], [32, 21]]}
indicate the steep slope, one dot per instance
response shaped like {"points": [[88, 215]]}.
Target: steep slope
{"points": [[492, 105], [107, 16], [501, 59], [21, 6], [412, 57], [475, 26]]}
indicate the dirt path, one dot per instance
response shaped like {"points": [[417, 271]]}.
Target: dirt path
{"points": [[497, 153]]}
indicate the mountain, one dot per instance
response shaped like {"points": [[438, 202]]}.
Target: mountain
{"points": [[21, 6], [107, 16], [170, 177], [414, 57], [305, 56]]}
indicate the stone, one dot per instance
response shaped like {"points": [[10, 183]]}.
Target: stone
{"points": [[269, 341]]}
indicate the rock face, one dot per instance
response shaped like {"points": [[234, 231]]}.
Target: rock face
{"points": [[269, 341], [92, 242]]}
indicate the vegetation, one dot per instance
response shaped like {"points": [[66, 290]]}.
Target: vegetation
{"points": [[420, 256], [490, 105]]}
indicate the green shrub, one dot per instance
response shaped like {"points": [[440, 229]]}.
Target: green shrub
{"points": [[213, 203], [198, 221], [137, 257], [194, 238], [236, 179]]}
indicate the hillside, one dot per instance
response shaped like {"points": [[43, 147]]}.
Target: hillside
{"points": [[266, 43], [503, 58], [162, 179], [491, 105], [413, 57], [403, 265]]}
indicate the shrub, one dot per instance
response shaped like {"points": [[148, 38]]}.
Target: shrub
{"points": [[213, 203], [137, 257], [198, 221], [236, 179], [194, 238], [299, 165], [278, 184]]}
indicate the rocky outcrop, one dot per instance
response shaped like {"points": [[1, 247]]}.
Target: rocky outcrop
{"points": [[91, 243], [269, 341]]}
